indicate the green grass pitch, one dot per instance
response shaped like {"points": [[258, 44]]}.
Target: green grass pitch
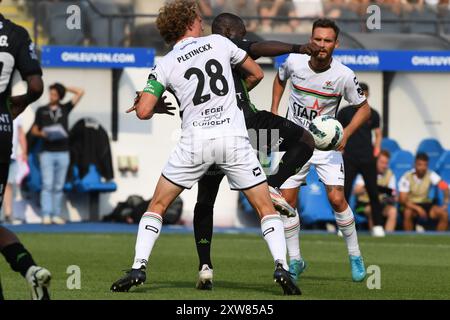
{"points": [[412, 267]]}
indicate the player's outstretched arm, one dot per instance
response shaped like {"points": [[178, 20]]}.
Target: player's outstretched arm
{"points": [[276, 48], [144, 106], [360, 117], [254, 73], [277, 93], [162, 106], [35, 87]]}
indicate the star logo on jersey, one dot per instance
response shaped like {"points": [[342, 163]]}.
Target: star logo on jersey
{"points": [[316, 107]]}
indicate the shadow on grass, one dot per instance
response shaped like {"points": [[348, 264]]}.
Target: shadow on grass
{"points": [[220, 288]]}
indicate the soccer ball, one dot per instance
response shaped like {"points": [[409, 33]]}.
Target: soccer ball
{"points": [[327, 132]]}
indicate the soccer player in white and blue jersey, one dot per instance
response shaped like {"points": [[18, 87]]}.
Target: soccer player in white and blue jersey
{"points": [[318, 84]]}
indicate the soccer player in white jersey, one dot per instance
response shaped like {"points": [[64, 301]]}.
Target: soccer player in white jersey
{"points": [[317, 86], [198, 71]]}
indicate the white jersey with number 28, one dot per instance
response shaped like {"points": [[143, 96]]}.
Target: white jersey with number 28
{"points": [[318, 93], [198, 72]]}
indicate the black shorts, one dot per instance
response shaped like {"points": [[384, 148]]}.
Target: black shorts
{"points": [[426, 206], [4, 169], [280, 135], [6, 134]]}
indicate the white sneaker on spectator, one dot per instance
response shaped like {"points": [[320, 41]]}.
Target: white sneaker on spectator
{"points": [[46, 220], [419, 228], [378, 232], [58, 220], [16, 222]]}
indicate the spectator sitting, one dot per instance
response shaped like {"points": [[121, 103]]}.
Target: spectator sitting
{"points": [[308, 10], [244, 8], [414, 187], [274, 8], [333, 8], [386, 190], [51, 124]]}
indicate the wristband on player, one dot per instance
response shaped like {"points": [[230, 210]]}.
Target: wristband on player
{"points": [[154, 87]]}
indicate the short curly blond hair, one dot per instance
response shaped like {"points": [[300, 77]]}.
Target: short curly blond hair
{"points": [[175, 18]]}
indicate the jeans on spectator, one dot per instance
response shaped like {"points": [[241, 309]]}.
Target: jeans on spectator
{"points": [[54, 167]]}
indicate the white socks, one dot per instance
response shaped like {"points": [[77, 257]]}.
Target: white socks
{"points": [[273, 232], [149, 230], [291, 233], [346, 223]]}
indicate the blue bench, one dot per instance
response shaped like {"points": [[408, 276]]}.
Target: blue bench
{"points": [[91, 184]]}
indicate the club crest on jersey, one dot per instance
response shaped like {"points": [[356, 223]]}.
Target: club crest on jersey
{"points": [[4, 41], [328, 86]]}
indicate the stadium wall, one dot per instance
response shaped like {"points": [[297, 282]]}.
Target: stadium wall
{"points": [[418, 110]]}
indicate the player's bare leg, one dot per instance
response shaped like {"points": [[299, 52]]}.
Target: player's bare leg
{"points": [[273, 232], [345, 221], [148, 232]]}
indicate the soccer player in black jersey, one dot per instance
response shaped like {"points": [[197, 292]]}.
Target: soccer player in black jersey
{"points": [[17, 52], [296, 142]]}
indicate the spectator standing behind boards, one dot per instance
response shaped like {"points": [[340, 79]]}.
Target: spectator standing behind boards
{"points": [[51, 124], [414, 187], [387, 186], [18, 139]]}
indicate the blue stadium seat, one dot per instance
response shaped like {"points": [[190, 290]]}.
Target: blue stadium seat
{"points": [[443, 162], [314, 204], [390, 145], [433, 149], [92, 182], [401, 162]]}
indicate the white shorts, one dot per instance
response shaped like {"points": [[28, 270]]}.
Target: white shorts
{"points": [[12, 173], [235, 156], [329, 166]]}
